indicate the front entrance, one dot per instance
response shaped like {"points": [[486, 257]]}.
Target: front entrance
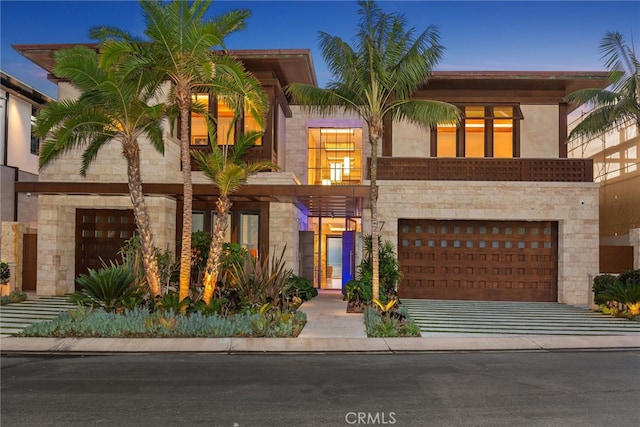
{"points": [[334, 251], [478, 260]]}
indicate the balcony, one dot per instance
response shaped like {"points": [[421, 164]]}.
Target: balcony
{"points": [[483, 169]]}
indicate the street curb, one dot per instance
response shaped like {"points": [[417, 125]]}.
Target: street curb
{"points": [[13, 345]]}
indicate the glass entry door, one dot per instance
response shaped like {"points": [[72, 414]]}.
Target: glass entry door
{"points": [[334, 262]]}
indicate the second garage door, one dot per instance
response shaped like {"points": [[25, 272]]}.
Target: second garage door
{"points": [[478, 260]]}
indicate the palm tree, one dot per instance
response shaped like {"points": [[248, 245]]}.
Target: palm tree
{"points": [[376, 79], [180, 42], [224, 166], [111, 107], [620, 101]]}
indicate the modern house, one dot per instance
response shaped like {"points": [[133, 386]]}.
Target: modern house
{"points": [[616, 166], [492, 209], [19, 105]]}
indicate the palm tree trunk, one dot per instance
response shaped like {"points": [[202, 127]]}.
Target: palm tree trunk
{"points": [[375, 135], [183, 96], [214, 261], [131, 152]]}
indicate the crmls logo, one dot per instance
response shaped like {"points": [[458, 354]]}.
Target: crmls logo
{"points": [[370, 418]]}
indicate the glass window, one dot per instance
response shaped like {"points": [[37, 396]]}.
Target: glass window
{"points": [[35, 141], [199, 133], [224, 125], [197, 221], [489, 131], [248, 232], [335, 156], [251, 125]]}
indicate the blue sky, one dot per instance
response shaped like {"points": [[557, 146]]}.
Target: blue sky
{"points": [[477, 35]]}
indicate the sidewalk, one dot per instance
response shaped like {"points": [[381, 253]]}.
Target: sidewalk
{"points": [[329, 329]]}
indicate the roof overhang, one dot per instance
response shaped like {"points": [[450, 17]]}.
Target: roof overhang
{"points": [[314, 200], [286, 65]]}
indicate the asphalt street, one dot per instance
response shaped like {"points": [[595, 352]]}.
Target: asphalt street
{"points": [[429, 389]]}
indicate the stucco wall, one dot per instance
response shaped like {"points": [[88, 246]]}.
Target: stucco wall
{"points": [[574, 206], [539, 131], [56, 234], [410, 140]]}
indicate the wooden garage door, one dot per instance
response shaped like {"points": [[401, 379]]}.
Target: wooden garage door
{"points": [[478, 260], [100, 233]]}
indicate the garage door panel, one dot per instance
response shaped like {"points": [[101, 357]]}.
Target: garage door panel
{"points": [[483, 260]]}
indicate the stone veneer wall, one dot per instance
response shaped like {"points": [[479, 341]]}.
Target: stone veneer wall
{"points": [[286, 221], [573, 205], [56, 234], [634, 240]]}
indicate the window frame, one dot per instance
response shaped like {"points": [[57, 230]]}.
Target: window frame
{"points": [[489, 118]]}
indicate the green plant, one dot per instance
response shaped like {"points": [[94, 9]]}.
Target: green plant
{"points": [[131, 255], [170, 302], [13, 297], [390, 325], [629, 275], [302, 288], [357, 293], [262, 281], [627, 293], [389, 272], [107, 287], [600, 283], [5, 273]]}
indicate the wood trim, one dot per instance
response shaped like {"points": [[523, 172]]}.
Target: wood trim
{"points": [[387, 137], [485, 169], [562, 130]]}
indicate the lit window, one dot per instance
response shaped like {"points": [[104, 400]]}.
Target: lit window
{"points": [[489, 131], [335, 156]]}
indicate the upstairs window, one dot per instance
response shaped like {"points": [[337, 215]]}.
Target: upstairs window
{"points": [[484, 131], [34, 147], [226, 129], [334, 156]]}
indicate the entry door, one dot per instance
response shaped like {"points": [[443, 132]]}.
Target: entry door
{"points": [[334, 262], [348, 256]]}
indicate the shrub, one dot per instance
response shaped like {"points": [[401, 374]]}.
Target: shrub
{"points": [[357, 293], [599, 284], [383, 325], [389, 271], [259, 282], [627, 293], [108, 287], [301, 287], [629, 275], [141, 322], [13, 297], [131, 255], [5, 272]]}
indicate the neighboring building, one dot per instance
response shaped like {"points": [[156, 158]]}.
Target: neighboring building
{"points": [[616, 166], [19, 105], [492, 209]]}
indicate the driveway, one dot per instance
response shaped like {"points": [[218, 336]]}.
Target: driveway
{"points": [[436, 317]]}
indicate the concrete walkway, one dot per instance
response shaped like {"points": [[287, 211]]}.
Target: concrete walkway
{"points": [[329, 329]]}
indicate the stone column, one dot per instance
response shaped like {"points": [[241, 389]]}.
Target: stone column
{"points": [[634, 240]]}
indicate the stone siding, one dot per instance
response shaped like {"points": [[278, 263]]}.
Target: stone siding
{"points": [[57, 227], [573, 206]]}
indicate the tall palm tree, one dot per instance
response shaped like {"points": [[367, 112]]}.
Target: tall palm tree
{"points": [[620, 101], [224, 165], [111, 107], [179, 43], [376, 79]]}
